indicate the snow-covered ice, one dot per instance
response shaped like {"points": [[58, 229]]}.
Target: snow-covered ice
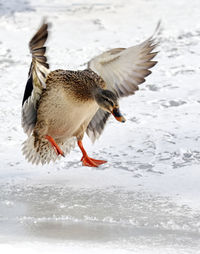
{"points": [[146, 199]]}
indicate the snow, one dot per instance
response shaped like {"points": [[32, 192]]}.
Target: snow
{"points": [[146, 198]]}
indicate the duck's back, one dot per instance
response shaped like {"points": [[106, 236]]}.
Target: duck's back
{"points": [[78, 84]]}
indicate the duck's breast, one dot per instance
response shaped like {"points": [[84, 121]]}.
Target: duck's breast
{"points": [[65, 115]]}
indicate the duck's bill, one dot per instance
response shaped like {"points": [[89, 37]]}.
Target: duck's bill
{"points": [[118, 116]]}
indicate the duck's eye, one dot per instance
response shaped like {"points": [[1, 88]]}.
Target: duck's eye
{"points": [[109, 101]]}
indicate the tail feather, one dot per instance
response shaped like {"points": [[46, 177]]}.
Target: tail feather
{"points": [[42, 151]]}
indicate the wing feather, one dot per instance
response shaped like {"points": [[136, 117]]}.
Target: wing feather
{"points": [[97, 124], [38, 72], [125, 66]]}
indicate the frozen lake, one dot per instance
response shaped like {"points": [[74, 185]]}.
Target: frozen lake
{"points": [[107, 217], [146, 199]]}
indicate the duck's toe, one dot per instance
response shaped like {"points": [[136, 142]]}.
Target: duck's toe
{"points": [[89, 162]]}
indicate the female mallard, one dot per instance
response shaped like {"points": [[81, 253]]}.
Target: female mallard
{"points": [[60, 106]]}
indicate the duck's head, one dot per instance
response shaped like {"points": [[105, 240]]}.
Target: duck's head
{"points": [[108, 101]]}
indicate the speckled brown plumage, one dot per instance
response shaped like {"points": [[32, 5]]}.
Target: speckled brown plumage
{"points": [[79, 84], [66, 92]]}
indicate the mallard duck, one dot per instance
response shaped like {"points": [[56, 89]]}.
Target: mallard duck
{"points": [[59, 106]]}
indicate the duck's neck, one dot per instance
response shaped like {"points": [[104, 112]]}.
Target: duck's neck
{"points": [[97, 94]]}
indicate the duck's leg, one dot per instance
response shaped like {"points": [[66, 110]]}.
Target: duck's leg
{"points": [[55, 146], [87, 161]]}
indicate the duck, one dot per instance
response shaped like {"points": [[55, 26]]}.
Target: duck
{"points": [[60, 106]]}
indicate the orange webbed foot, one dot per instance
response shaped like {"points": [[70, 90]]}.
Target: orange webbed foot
{"points": [[89, 162]]}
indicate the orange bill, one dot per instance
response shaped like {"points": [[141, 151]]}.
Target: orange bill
{"points": [[118, 116]]}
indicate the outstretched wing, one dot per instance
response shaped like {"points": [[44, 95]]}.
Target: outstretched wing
{"points": [[123, 70], [38, 72]]}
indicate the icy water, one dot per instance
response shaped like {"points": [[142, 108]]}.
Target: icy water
{"points": [[61, 214], [146, 199]]}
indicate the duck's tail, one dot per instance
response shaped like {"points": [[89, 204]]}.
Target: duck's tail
{"points": [[42, 151]]}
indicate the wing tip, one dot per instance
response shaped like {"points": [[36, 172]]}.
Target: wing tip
{"points": [[157, 30], [40, 36]]}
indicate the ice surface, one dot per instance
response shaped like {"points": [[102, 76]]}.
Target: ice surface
{"points": [[147, 198]]}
